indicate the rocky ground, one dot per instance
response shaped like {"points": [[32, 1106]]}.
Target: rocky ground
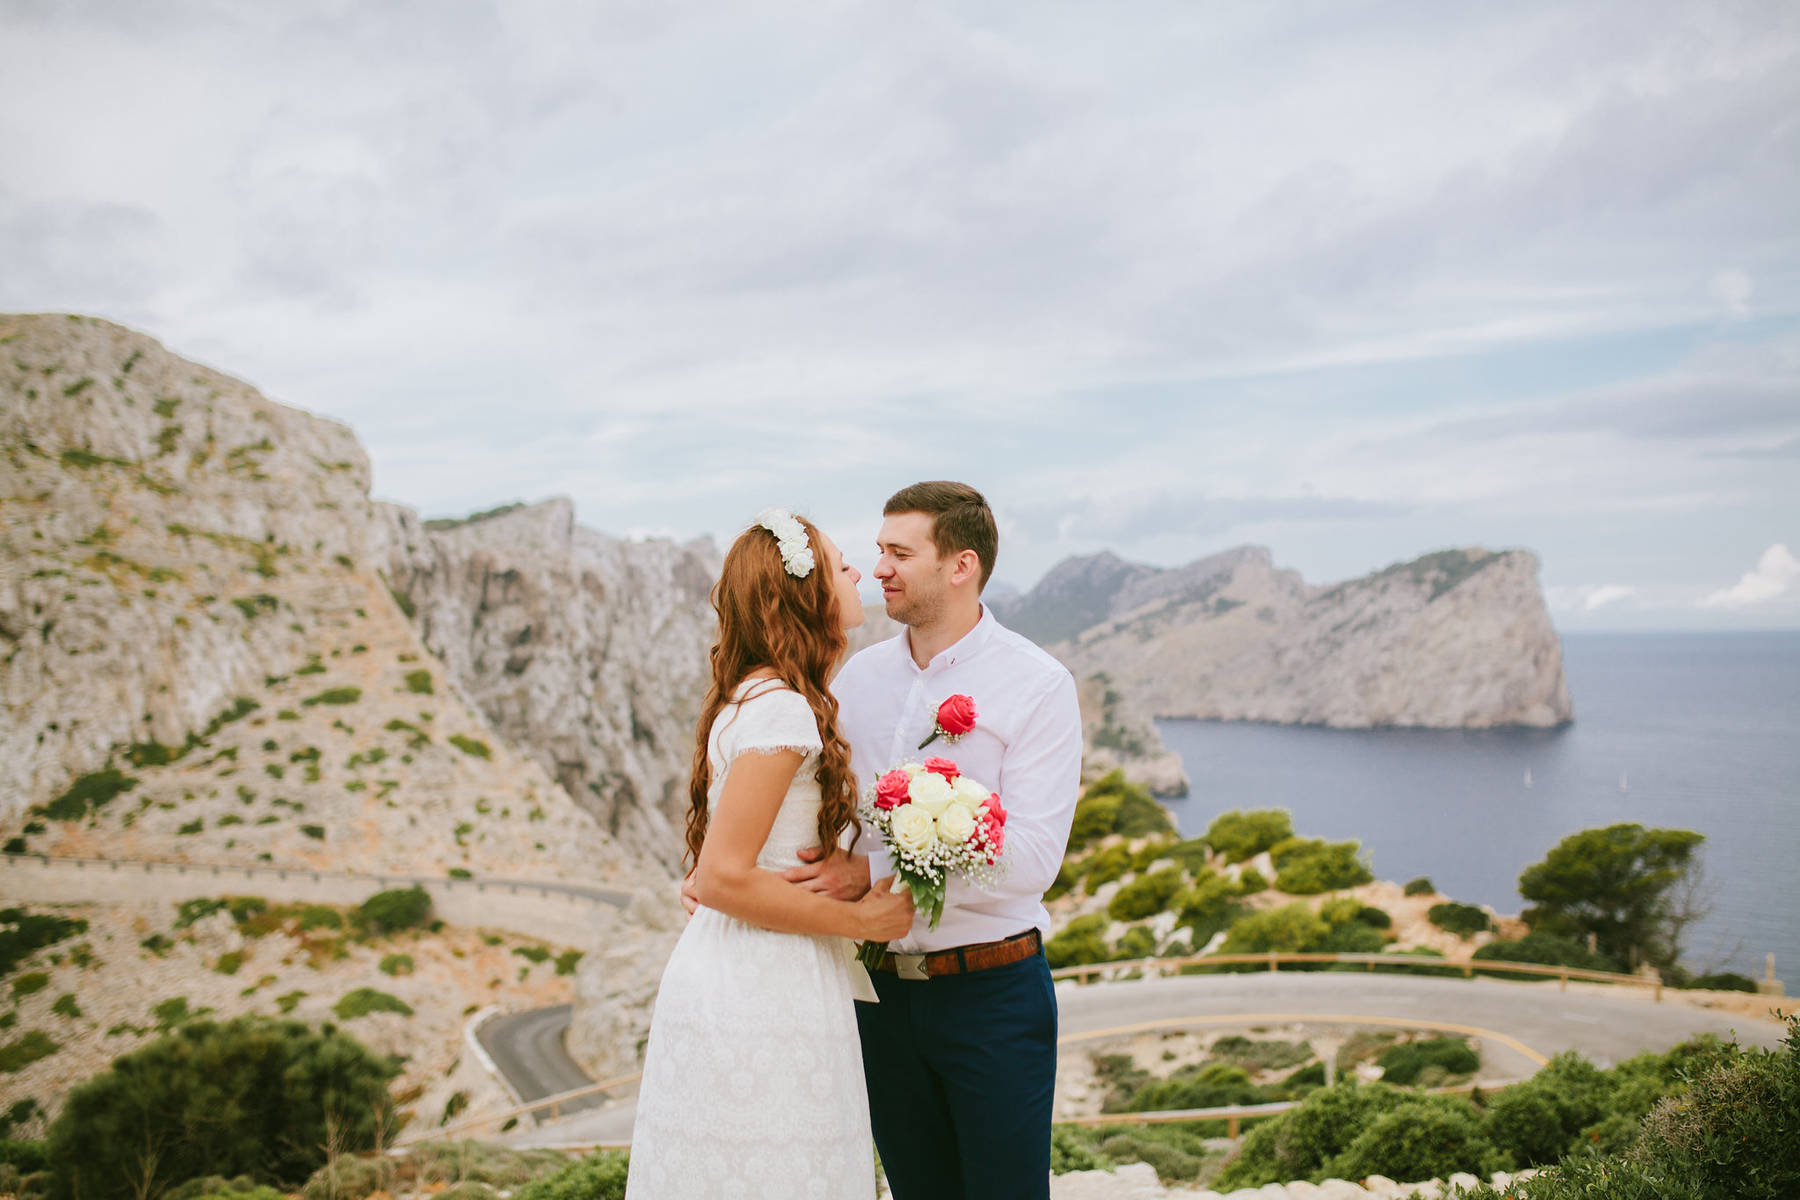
{"points": [[137, 972]]}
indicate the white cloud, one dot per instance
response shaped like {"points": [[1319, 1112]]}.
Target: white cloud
{"points": [[1588, 596], [1776, 571]]}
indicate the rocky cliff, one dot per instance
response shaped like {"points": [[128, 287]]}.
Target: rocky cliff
{"points": [[586, 652], [201, 660], [1456, 639]]}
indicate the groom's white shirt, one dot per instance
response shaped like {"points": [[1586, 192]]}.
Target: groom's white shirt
{"points": [[1026, 745]]}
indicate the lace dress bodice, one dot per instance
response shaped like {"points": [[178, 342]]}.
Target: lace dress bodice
{"points": [[767, 717]]}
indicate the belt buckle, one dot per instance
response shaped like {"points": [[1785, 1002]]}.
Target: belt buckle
{"points": [[910, 966]]}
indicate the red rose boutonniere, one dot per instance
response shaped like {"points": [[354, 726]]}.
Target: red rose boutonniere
{"points": [[955, 717]]}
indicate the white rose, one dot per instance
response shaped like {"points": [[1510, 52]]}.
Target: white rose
{"points": [[955, 824], [913, 829], [968, 793], [913, 770], [929, 791]]}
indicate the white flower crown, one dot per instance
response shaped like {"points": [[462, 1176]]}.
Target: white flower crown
{"points": [[790, 535]]}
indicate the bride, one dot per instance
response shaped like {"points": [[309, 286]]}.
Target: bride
{"points": [[753, 1079]]}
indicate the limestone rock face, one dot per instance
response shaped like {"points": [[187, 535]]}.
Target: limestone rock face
{"points": [[193, 622], [1456, 639], [586, 652]]}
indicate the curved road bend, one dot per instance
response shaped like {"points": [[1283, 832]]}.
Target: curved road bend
{"points": [[1605, 1025], [528, 1049]]}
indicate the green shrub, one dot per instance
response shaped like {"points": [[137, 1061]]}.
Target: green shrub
{"points": [[1241, 835], [1374, 918], [89, 793], [1419, 887], [316, 832], [1405, 1063], [216, 1187], [1539, 947], [599, 1176], [1192, 856], [1146, 895], [419, 682], [1292, 929], [1353, 937], [1251, 881], [1150, 851], [1723, 981], [567, 961], [31, 981], [471, 746], [1171, 1162], [394, 910], [1212, 1085], [397, 964], [365, 1000], [1298, 1143], [1460, 919], [320, 916], [1069, 1151], [26, 1049], [337, 695], [1261, 1055], [1079, 943], [1138, 942], [250, 1096], [1102, 868], [1112, 805], [1426, 1138], [66, 1006], [1306, 867], [229, 962], [1063, 884]]}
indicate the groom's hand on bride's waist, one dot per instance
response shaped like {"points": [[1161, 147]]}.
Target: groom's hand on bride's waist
{"points": [[840, 875]]}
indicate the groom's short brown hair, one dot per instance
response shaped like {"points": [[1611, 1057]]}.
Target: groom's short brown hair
{"points": [[960, 519]]}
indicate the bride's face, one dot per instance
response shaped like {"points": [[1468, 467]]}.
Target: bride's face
{"points": [[844, 579]]}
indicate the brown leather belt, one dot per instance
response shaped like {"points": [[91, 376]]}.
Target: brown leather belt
{"points": [[962, 960]]}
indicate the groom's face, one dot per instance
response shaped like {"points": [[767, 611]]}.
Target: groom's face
{"points": [[915, 581]]}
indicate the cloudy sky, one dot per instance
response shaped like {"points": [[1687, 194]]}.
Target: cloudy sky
{"points": [[1354, 281]]}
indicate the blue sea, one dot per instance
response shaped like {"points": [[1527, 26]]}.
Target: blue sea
{"points": [[1671, 730]]}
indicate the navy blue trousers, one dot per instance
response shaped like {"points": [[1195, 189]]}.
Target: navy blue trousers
{"points": [[961, 1072]]}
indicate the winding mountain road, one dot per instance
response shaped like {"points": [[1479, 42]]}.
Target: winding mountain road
{"points": [[1520, 1024]]}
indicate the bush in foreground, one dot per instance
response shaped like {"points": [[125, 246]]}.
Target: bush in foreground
{"points": [[249, 1097], [599, 1176], [1732, 1130]]}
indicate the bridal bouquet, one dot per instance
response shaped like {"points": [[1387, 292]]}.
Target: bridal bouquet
{"points": [[935, 822]]}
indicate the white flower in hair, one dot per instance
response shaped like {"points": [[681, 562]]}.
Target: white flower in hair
{"points": [[790, 538]]}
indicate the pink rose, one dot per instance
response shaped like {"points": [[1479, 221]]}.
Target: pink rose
{"points": [[956, 716], [890, 789], [944, 767], [992, 804], [994, 831]]}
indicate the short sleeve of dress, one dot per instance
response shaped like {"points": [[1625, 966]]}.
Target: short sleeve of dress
{"points": [[771, 720]]}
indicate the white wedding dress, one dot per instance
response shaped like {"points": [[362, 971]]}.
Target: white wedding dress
{"points": [[753, 1082]]}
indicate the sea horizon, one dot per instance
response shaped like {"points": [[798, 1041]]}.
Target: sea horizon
{"points": [[1672, 729]]}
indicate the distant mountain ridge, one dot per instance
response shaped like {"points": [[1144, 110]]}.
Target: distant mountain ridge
{"points": [[1458, 638]]}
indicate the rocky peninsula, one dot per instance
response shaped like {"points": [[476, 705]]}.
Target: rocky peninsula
{"points": [[1455, 639]]}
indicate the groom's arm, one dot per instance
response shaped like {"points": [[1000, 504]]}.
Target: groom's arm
{"points": [[1040, 782]]}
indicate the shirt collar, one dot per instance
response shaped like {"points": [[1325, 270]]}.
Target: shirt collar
{"points": [[962, 650]]}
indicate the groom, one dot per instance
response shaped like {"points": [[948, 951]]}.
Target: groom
{"points": [[960, 1053]]}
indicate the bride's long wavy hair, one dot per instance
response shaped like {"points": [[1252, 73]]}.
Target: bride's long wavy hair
{"points": [[768, 618]]}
